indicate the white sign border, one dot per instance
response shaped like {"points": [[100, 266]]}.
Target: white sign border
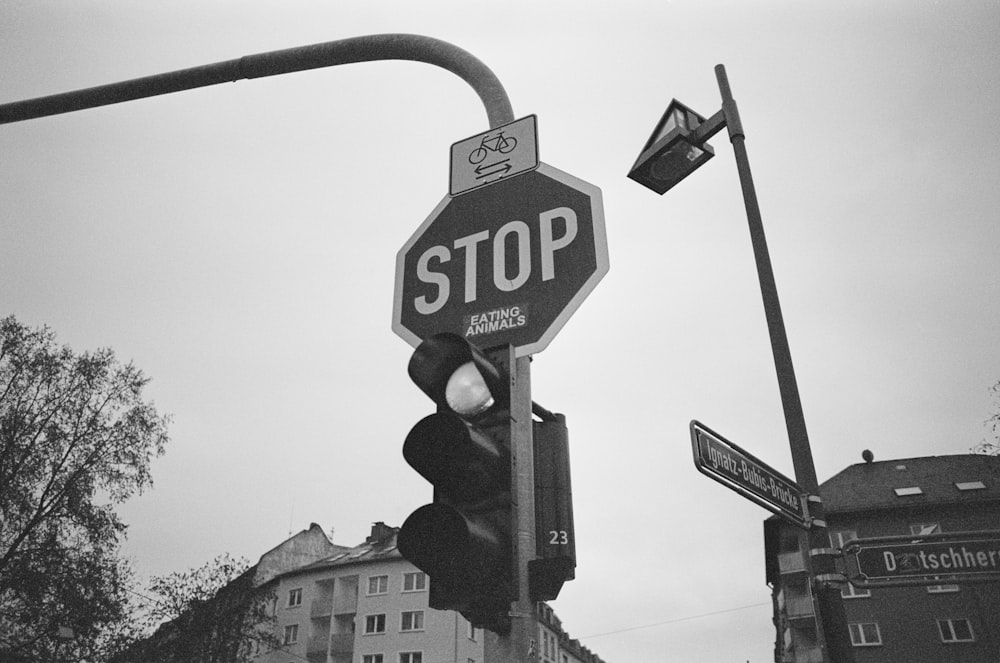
{"points": [[600, 251]]}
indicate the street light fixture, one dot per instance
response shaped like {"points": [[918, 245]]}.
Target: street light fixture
{"points": [[676, 149]]}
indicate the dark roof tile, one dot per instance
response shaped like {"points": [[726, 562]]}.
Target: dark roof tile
{"points": [[870, 486]]}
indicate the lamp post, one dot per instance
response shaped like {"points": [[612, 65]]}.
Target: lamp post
{"points": [[677, 148]]}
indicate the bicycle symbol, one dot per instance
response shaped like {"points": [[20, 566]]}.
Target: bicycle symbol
{"points": [[498, 143]]}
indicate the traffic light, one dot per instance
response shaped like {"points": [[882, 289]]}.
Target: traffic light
{"points": [[555, 537], [463, 539]]}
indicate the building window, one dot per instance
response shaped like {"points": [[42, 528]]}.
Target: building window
{"points": [[378, 585], [955, 630], [865, 634], [291, 634], [372, 658], [839, 540], [412, 620], [411, 657], [295, 597], [909, 490], [472, 631], [550, 645], [414, 582], [923, 529], [374, 624], [970, 485]]}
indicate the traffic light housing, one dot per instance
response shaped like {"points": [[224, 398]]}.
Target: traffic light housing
{"points": [[463, 540], [555, 536]]}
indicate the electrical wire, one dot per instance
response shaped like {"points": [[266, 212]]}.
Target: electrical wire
{"points": [[674, 621]]}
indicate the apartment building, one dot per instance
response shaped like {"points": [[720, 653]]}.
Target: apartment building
{"points": [[939, 623], [366, 604], [319, 602], [554, 645], [361, 604]]}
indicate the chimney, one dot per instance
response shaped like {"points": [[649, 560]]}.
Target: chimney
{"points": [[381, 533]]}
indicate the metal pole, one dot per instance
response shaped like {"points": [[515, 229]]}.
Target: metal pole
{"points": [[829, 605], [273, 63], [520, 643], [524, 631]]}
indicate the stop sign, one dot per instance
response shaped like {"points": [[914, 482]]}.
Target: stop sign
{"points": [[505, 263]]}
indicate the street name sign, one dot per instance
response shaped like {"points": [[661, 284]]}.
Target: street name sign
{"points": [[501, 152], [931, 559], [507, 263], [741, 471]]}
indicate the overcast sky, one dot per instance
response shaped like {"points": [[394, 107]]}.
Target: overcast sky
{"points": [[238, 244]]}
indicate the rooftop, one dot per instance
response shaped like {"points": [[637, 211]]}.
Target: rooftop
{"points": [[912, 481], [898, 484], [381, 544]]}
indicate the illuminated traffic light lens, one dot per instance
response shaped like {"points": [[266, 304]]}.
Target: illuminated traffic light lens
{"points": [[466, 393]]}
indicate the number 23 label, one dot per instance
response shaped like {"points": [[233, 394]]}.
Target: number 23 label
{"points": [[558, 537]]}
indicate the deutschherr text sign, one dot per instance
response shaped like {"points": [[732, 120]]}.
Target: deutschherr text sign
{"points": [[739, 470], [928, 560]]}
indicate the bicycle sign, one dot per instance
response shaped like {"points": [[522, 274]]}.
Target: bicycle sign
{"points": [[498, 143], [499, 153]]}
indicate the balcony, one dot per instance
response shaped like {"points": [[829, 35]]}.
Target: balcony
{"points": [[322, 607], [801, 654], [345, 596], [807, 655], [799, 607], [342, 643], [791, 562], [316, 647], [345, 604]]}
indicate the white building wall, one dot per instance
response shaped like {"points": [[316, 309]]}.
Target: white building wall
{"points": [[443, 636]]}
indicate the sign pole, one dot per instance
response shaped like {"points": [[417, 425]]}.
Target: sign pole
{"points": [[830, 607], [520, 644]]}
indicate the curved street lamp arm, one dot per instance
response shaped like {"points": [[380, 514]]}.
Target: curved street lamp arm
{"points": [[344, 51]]}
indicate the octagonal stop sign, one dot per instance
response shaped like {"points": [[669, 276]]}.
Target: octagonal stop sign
{"points": [[505, 263]]}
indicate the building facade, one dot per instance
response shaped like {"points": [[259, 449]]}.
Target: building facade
{"points": [[366, 604], [554, 645], [938, 623], [309, 600]]}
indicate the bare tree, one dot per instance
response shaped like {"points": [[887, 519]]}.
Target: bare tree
{"points": [[991, 443], [211, 614], [76, 438]]}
